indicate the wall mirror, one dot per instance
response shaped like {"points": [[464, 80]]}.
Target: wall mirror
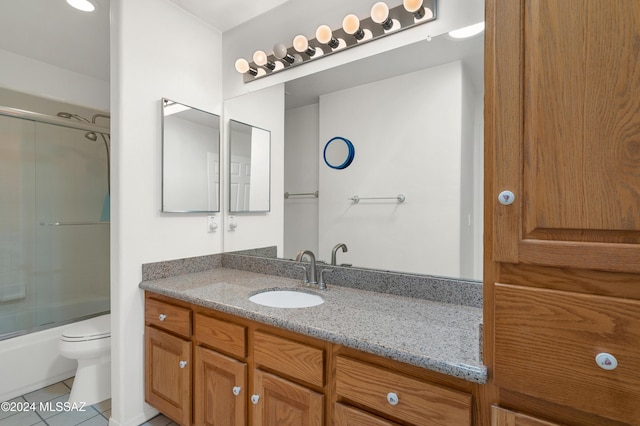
{"points": [[249, 168], [415, 115], [190, 159], [338, 153]]}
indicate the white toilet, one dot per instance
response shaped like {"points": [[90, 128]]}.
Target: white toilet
{"points": [[89, 342]]}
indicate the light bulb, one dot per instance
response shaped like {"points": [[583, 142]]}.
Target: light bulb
{"points": [[467, 32], [351, 26], [301, 44], [83, 5], [242, 66], [415, 7], [260, 58], [280, 52], [325, 36], [380, 15]]}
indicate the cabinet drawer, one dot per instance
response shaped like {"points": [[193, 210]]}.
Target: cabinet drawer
{"points": [[168, 317], [288, 357], [546, 345], [419, 403], [222, 335]]}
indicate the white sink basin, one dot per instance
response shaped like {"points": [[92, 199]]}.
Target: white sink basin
{"points": [[286, 299]]}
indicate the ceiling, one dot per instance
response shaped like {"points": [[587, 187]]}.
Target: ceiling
{"points": [[53, 32], [226, 14]]}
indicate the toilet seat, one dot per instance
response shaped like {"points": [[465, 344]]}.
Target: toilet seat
{"points": [[91, 329]]}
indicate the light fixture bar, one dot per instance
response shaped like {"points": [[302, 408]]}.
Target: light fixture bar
{"points": [[402, 17]]}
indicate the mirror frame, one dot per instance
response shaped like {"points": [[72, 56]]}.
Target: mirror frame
{"points": [[249, 210], [351, 151], [164, 178]]}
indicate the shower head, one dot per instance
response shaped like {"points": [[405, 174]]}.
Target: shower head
{"points": [[70, 116]]}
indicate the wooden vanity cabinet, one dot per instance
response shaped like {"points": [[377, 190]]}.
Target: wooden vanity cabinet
{"points": [[168, 370], [247, 373], [562, 257]]}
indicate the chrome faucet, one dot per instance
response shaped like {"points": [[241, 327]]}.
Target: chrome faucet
{"points": [[313, 279], [342, 246]]}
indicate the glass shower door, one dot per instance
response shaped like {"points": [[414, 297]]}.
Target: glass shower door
{"points": [[54, 229], [72, 251], [17, 230]]}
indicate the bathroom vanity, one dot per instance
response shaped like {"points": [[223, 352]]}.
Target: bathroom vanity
{"points": [[361, 357]]}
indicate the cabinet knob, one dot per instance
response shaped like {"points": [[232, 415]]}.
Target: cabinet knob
{"points": [[236, 390], [506, 197], [606, 361], [162, 317], [255, 399], [392, 398], [183, 364]]}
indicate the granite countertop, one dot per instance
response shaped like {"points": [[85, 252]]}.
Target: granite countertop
{"points": [[437, 336]]}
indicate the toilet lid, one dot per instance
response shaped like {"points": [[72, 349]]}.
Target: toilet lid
{"points": [[91, 329]]}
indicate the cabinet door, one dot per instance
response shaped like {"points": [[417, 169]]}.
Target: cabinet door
{"points": [[563, 128], [220, 389], [349, 416], [168, 374], [280, 402], [502, 417]]}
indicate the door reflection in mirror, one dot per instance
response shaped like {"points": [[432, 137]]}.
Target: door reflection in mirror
{"points": [[249, 168]]}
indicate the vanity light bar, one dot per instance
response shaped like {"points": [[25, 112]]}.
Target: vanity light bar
{"points": [[382, 21]]}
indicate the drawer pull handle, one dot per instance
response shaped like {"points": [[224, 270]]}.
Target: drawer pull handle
{"points": [[255, 399], [606, 361], [162, 317], [183, 364], [392, 398], [236, 390]]}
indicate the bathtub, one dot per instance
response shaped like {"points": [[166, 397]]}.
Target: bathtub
{"points": [[32, 361]]}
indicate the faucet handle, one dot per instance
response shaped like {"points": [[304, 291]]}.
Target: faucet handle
{"points": [[321, 284], [306, 277]]}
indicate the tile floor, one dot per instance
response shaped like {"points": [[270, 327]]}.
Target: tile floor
{"points": [[95, 415]]}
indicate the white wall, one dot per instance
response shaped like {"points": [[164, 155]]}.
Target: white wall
{"points": [[412, 143], [264, 109], [301, 162], [157, 50], [41, 79]]}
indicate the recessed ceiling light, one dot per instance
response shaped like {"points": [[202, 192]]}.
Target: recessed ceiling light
{"points": [[467, 32], [83, 5]]}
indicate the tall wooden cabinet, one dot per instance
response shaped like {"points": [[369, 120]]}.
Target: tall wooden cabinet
{"points": [[562, 247]]}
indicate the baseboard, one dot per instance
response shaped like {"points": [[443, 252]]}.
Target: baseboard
{"points": [[147, 414]]}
